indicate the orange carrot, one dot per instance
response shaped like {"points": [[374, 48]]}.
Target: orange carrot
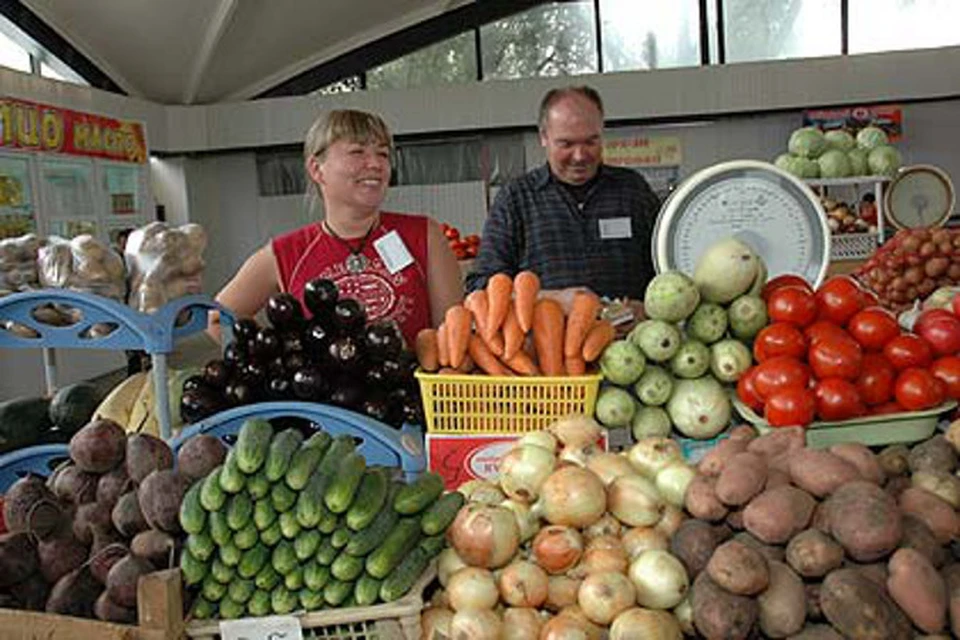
{"points": [[477, 304], [428, 351], [443, 346], [583, 315], [499, 290], [523, 364], [484, 358], [458, 321], [467, 365], [512, 334], [526, 288], [494, 343], [575, 366], [597, 340], [449, 371], [548, 335]]}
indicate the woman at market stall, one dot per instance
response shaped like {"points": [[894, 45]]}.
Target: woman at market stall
{"points": [[399, 266]]}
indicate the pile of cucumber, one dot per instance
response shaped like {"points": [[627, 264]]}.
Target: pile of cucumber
{"points": [[287, 524]]}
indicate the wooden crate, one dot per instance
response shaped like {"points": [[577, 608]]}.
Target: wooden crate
{"points": [[159, 612]]}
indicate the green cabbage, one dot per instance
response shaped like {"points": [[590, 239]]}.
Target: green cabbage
{"points": [[807, 142], [809, 168], [858, 162], [871, 137], [840, 139], [788, 163], [834, 164], [884, 160]]}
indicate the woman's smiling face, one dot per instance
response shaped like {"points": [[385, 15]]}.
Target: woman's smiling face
{"points": [[355, 174]]}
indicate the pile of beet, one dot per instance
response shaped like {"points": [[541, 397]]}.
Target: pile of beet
{"points": [[79, 540]]}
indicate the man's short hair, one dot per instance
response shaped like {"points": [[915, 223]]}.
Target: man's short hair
{"points": [[555, 95]]}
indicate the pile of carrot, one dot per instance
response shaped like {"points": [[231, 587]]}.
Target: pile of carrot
{"points": [[509, 329]]}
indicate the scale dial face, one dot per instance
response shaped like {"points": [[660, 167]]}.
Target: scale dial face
{"points": [[921, 196], [769, 210]]}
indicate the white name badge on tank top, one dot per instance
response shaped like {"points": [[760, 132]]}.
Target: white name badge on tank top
{"points": [[393, 252], [615, 228]]}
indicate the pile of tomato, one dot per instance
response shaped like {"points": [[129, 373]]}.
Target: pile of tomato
{"points": [[833, 354], [464, 248]]}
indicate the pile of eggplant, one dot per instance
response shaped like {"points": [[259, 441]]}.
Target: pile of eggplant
{"points": [[328, 354]]}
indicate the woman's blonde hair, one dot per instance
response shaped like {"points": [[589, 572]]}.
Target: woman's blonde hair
{"points": [[341, 124]]}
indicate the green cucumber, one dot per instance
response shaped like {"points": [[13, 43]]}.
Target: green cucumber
{"points": [[201, 545], [264, 514], [316, 576], [239, 511], [193, 517], [335, 593], [328, 522], [241, 590], [221, 572], [247, 537], [282, 601], [267, 578], [306, 459], [310, 599], [417, 496], [341, 537], [193, 569], [259, 605], [306, 544], [369, 499], [433, 545], [367, 590], [282, 497], [401, 579], [203, 609], [310, 508], [346, 567], [253, 561], [230, 609], [327, 553], [213, 590], [294, 579], [212, 496], [220, 531], [441, 513], [289, 525], [230, 554], [364, 542], [253, 444], [284, 445], [232, 479], [399, 542], [340, 493], [284, 558], [257, 485], [271, 535]]}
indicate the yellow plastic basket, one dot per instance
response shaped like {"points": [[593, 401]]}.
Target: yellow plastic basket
{"points": [[500, 404]]}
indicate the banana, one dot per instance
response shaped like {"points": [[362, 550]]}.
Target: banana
{"points": [[119, 402], [142, 419]]}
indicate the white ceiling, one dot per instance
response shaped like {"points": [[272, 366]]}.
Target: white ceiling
{"points": [[203, 51]]}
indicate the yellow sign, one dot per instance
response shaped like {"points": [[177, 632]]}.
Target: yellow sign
{"points": [[641, 151]]}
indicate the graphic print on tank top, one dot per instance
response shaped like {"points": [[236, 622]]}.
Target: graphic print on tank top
{"points": [[375, 288]]}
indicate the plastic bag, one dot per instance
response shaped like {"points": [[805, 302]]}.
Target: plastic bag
{"points": [[164, 263], [18, 264], [82, 264]]}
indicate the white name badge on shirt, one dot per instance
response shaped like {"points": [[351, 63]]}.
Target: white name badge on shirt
{"points": [[393, 252], [615, 228]]}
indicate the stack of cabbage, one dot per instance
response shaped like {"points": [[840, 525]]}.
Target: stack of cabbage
{"points": [[837, 154], [672, 369]]}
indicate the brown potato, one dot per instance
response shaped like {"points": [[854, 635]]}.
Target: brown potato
{"points": [[734, 519], [720, 614], [739, 568], [701, 499], [945, 486], [812, 591], [693, 544], [935, 454], [777, 514], [858, 608], [897, 485], [783, 607], [951, 579], [769, 551], [779, 441], [817, 632], [716, 459], [918, 536], [813, 554], [777, 477], [919, 590], [861, 457], [934, 512], [820, 472], [865, 520], [894, 460], [741, 479]]}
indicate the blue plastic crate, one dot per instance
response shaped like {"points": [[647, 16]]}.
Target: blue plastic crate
{"points": [[40, 459]]}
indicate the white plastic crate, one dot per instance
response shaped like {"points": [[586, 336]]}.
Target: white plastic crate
{"points": [[853, 246]]}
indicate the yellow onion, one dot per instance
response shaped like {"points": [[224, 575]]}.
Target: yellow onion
{"points": [[605, 553], [609, 466], [484, 536], [557, 548], [576, 430], [476, 624], [635, 501], [648, 624], [528, 524], [572, 496], [672, 482], [660, 579], [607, 525], [602, 596], [472, 588], [521, 624], [561, 592], [650, 455], [448, 563], [523, 470], [523, 584], [671, 520], [435, 623], [640, 539]]}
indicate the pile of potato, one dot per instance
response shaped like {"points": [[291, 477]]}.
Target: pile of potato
{"points": [[823, 543], [80, 539]]}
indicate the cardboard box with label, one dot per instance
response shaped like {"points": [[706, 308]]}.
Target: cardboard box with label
{"points": [[462, 458]]}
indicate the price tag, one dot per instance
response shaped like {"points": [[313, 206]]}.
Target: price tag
{"points": [[266, 628]]}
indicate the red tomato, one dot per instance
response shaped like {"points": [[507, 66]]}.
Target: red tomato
{"points": [[836, 358], [838, 299], [747, 390], [942, 332], [838, 400], [790, 407], [792, 304], [873, 328], [887, 408], [929, 315], [785, 280], [868, 298], [779, 339], [955, 305], [877, 376], [908, 350], [947, 370], [452, 234], [822, 329], [779, 373], [917, 389]]}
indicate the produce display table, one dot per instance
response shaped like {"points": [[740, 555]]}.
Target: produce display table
{"points": [[103, 323]]}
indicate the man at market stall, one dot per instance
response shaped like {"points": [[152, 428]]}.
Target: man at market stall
{"points": [[574, 221]]}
